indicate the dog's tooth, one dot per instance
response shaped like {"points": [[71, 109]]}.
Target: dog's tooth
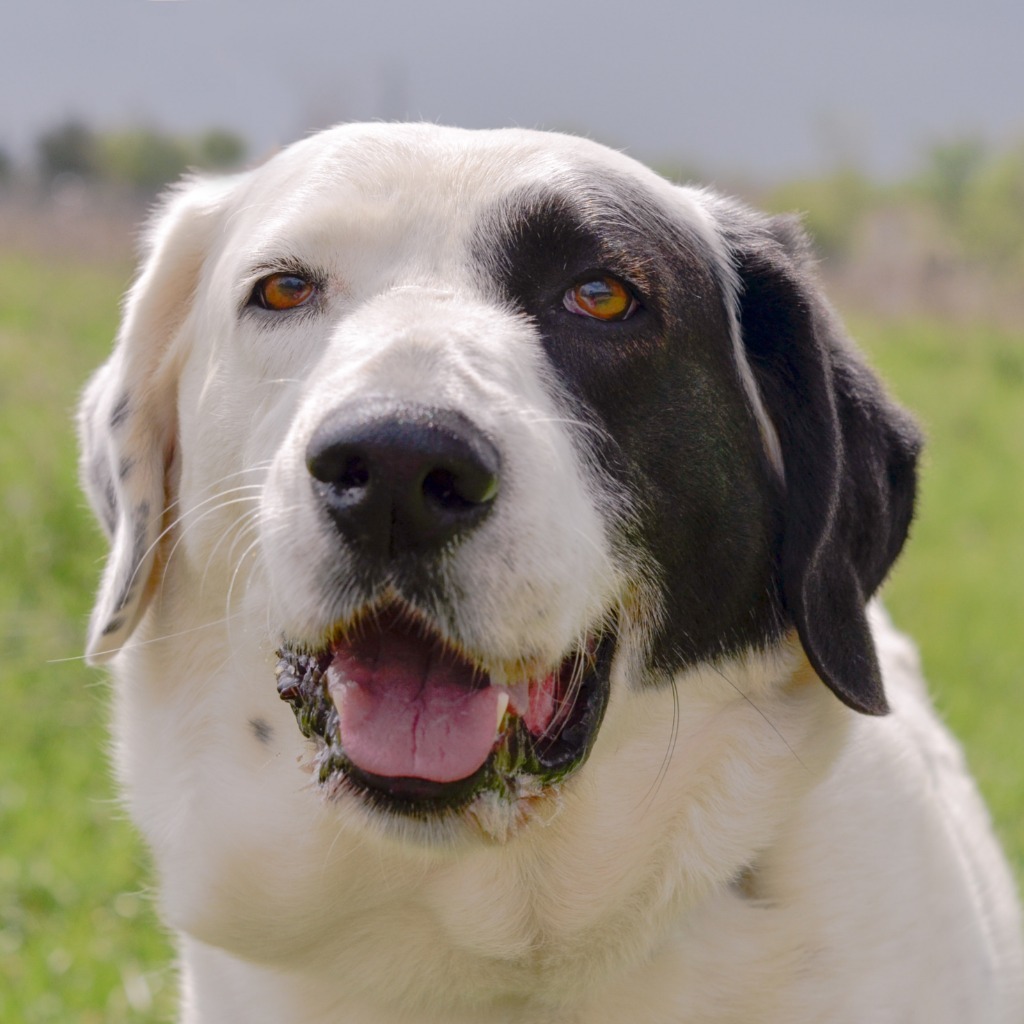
{"points": [[502, 707], [520, 696]]}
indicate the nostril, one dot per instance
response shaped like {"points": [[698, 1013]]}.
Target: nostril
{"points": [[356, 473], [439, 486], [454, 490], [339, 466]]}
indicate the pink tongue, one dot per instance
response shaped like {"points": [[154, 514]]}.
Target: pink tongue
{"points": [[407, 707]]}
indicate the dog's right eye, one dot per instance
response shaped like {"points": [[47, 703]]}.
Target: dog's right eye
{"points": [[281, 292]]}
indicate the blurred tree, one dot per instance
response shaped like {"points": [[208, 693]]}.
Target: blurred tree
{"points": [[833, 207], [952, 168], [993, 212], [147, 159], [6, 167], [219, 149], [143, 158], [69, 149]]}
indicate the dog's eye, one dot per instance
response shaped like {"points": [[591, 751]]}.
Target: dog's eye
{"points": [[603, 298], [280, 292]]}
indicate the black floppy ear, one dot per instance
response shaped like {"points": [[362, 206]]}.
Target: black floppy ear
{"points": [[849, 455]]}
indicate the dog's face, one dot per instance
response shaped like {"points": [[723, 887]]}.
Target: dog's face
{"points": [[473, 436]]}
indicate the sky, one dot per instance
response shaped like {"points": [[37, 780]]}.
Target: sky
{"points": [[769, 89]]}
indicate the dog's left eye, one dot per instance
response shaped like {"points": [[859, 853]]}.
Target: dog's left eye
{"points": [[603, 298], [280, 292]]}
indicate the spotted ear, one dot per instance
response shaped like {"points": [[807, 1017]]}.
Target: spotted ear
{"points": [[849, 455], [127, 418]]}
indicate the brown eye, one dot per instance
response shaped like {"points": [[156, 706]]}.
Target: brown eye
{"points": [[281, 292], [603, 298]]}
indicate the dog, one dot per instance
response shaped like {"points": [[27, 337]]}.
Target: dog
{"points": [[495, 529]]}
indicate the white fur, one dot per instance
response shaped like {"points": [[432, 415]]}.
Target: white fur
{"points": [[739, 848]]}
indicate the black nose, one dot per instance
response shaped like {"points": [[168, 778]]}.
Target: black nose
{"points": [[405, 480]]}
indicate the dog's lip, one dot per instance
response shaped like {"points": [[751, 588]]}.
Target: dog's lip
{"points": [[439, 736]]}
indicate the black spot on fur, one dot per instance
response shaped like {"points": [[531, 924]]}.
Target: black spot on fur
{"points": [[261, 729], [120, 412], [140, 548], [102, 487]]}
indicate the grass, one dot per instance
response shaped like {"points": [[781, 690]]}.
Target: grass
{"points": [[959, 589], [78, 936]]}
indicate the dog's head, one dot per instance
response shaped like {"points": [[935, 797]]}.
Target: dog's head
{"points": [[471, 429]]}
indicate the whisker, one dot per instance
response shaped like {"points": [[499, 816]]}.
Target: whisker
{"points": [[132, 645], [253, 545], [243, 526], [258, 467], [670, 749], [767, 720], [568, 421], [180, 519], [195, 522]]}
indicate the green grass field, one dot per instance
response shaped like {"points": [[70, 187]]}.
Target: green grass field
{"points": [[78, 937]]}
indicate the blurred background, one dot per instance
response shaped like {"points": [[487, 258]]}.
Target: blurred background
{"points": [[895, 126]]}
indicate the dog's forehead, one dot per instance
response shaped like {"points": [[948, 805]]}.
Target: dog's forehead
{"points": [[380, 161], [375, 185]]}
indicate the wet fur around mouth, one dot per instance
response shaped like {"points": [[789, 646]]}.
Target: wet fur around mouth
{"points": [[522, 767]]}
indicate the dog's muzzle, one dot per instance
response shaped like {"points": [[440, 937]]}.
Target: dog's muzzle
{"points": [[402, 711]]}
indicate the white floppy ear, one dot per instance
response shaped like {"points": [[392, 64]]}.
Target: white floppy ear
{"points": [[128, 414]]}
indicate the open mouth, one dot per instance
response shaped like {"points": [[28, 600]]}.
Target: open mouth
{"points": [[419, 726]]}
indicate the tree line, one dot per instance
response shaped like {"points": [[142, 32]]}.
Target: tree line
{"points": [[140, 158], [973, 192]]}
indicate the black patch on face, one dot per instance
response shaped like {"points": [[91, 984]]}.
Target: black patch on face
{"points": [[261, 729], [677, 436]]}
